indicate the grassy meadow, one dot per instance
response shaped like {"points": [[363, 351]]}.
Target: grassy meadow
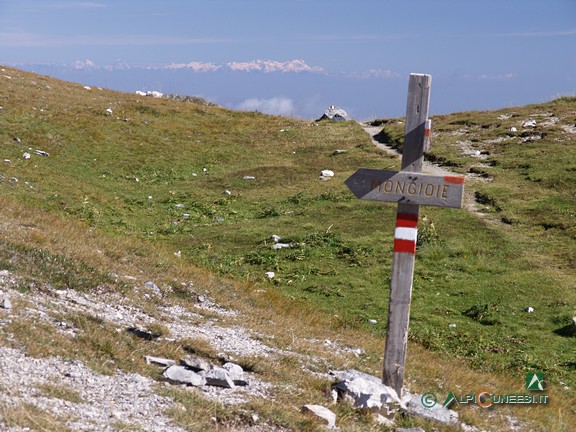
{"points": [[166, 188]]}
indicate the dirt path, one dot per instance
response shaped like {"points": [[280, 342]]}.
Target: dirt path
{"points": [[470, 203]]}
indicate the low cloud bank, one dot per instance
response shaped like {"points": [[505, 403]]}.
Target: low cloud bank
{"points": [[276, 106]]}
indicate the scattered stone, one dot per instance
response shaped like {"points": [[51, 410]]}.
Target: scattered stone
{"points": [[326, 173], [159, 361], [276, 238], [17, 139], [574, 321], [334, 113], [219, 377], [196, 364], [227, 192], [270, 274], [282, 245], [338, 152], [529, 309], [451, 325], [436, 413], [235, 372], [367, 392], [529, 123], [154, 288], [468, 428], [41, 153], [334, 395], [513, 129], [26, 155], [181, 375], [247, 177], [87, 88], [109, 111], [322, 413], [6, 303], [154, 94], [372, 321]]}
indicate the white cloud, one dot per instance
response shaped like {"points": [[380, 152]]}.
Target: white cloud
{"points": [[277, 106], [570, 32], [486, 77], [376, 73], [76, 5]]}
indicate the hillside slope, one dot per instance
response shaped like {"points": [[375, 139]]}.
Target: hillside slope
{"points": [[102, 192]]}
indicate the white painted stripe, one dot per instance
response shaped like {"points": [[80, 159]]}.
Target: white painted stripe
{"points": [[406, 233]]}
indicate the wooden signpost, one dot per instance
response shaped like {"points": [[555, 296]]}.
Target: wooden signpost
{"points": [[407, 187], [410, 189]]}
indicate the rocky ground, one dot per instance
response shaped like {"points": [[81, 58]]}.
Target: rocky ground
{"points": [[105, 401], [89, 401]]}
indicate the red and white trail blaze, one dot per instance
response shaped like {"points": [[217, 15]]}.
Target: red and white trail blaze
{"points": [[406, 233]]}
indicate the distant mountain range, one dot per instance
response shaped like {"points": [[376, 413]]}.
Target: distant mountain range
{"points": [[266, 66], [294, 88]]}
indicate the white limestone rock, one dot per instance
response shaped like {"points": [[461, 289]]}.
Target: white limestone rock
{"points": [[322, 413], [435, 413], [219, 377], [181, 375]]}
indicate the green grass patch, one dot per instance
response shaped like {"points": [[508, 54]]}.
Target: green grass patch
{"points": [[158, 171]]}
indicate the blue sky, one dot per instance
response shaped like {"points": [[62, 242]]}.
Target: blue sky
{"points": [[492, 53]]}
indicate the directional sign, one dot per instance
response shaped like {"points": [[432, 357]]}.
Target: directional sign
{"points": [[406, 187]]}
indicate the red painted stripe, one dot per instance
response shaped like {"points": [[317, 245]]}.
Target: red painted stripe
{"points": [[404, 246], [454, 179], [426, 132], [406, 220]]}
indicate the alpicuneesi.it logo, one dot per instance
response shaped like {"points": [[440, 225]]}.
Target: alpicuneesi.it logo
{"points": [[486, 399]]}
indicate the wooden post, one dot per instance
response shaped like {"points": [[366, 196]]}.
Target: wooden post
{"points": [[405, 236]]}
